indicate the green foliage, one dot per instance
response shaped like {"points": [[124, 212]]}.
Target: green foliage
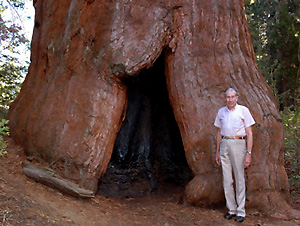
{"points": [[12, 71], [4, 131], [291, 120], [274, 27], [11, 76]]}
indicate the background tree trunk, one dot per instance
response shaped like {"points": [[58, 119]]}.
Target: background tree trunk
{"points": [[74, 99]]}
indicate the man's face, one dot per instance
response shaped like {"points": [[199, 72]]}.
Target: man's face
{"points": [[231, 99]]}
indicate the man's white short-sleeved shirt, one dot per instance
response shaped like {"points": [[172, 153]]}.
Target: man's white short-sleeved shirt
{"points": [[233, 122]]}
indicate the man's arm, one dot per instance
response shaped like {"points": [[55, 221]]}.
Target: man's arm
{"points": [[249, 146], [218, 159]]}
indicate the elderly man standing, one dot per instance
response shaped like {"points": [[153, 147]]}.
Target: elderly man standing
{"points": [[234, 149]]}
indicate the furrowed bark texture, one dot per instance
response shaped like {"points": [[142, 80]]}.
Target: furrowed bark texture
{"points": [[74, 98]]}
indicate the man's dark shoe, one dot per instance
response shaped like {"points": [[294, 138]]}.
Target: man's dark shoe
{"points": [[229, 216], [239, 219]]}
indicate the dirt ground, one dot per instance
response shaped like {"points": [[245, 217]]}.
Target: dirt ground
{"points": [[26, 202]]}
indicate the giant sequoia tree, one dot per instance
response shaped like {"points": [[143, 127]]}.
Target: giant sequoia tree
{"points": [[97, 64]]}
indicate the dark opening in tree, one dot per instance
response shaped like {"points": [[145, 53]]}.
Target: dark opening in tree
{"points": [[148, 154]]}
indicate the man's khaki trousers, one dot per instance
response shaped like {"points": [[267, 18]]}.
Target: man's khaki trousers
{"points": [[232, 153]]}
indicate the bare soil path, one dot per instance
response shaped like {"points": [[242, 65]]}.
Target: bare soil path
{"points": [[26, 202]]}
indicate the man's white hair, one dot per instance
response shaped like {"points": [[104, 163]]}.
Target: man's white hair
{"points": [[231, 89]]}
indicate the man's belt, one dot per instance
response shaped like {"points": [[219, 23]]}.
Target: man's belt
{"points": [[232, 137]]}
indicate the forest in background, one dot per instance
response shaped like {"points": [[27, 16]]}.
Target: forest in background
{"points": [[275, 31]]}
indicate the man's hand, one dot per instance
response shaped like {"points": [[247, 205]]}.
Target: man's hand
{"points": [[218, 159], [249, 145], [247, 160]]}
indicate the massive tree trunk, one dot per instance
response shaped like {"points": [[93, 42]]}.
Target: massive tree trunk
{"points": [[86, 58]]}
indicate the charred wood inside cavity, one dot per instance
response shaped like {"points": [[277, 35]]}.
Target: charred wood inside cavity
{"points": [[148, 155]]}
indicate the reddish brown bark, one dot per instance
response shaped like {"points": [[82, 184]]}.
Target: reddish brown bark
{"points": [[73, 100]]}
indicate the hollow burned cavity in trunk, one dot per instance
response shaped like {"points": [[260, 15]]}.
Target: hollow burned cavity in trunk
{"points": [[148, 155]]}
